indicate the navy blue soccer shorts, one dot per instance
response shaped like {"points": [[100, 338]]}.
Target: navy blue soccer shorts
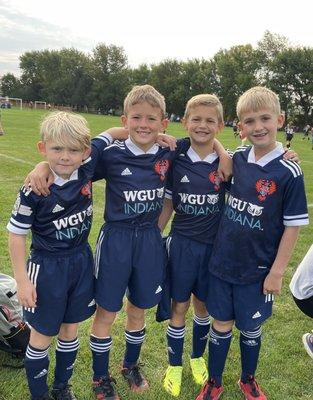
{"points": [[65, 289], [245, 304], [129, 259], [188, 262]]}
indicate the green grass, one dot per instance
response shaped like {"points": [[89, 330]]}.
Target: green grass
{"points": [[285, 370]]}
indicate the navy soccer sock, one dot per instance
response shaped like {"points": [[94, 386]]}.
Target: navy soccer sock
{"points": [[175, 344], [65, 356], [201, 328], [100, 348], [250, 344], [134, 340], [219, 344], [36, 365]]}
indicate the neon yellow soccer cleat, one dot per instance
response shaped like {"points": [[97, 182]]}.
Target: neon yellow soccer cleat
{"points": [[199, 370], [172, 380]]}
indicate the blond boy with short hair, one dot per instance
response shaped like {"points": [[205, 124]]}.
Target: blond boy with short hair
{"points": [[56, 286], [257, 234], [196, 193]]}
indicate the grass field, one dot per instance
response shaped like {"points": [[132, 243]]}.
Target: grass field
{"points": [[285, 370]]}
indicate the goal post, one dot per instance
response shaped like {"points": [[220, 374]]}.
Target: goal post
{"points": [[41, 104], [8, 102]]}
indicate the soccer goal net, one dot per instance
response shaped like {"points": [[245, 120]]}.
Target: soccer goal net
{"points": [[41, 104], [9, 102]]}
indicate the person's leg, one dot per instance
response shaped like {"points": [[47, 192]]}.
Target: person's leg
{"points": [[201, 328], [135, 333], [220, 339], [37, 364], [65, 356], [176, 332], [101, 342], [100, 345], [175, 345], [250, 344]]}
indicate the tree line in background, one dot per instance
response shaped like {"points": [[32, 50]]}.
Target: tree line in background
{"points": [[99, 81]]}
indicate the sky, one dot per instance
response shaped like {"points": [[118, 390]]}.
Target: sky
{"points": [[149, 31]]}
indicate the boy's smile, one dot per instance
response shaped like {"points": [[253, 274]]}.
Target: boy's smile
{"points": [[260, 127], [144, 123], [202, 124]]}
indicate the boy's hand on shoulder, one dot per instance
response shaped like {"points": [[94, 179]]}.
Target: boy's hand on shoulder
{"points": [[225, 167], [40, 178], [292, 156], [165, 140], [26, 293], [273, 283], [118, 133]]}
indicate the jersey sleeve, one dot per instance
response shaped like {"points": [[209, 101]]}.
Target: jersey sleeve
{"points": [[23, 212], [98, 144], [182, 146], [295, 211]]}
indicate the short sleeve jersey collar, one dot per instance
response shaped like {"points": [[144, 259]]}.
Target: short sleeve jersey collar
{"points": [[194, 157], [278, 151], [137, 151]]}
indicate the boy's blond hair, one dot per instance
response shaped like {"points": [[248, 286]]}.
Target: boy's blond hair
{"points": [[258, 98], [145, 93], [209, 100], [66, 129]]}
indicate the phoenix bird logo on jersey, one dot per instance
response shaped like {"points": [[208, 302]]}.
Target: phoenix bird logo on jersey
{"points": [[161, 167], [265, 187], [216, 180], [86, 189]]}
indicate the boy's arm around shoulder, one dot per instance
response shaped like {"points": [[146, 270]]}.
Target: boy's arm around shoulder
{"points": [[225, 168], [40, 179], [26, 291]]}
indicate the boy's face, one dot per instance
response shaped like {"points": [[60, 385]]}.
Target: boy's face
{"points": [[202, 124], [260, 128], [63, 159], [144, 122]]}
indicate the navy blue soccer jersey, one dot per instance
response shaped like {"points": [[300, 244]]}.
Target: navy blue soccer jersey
{"points": [[62, 220], [198, 196], [135, 181], [265, 197]]}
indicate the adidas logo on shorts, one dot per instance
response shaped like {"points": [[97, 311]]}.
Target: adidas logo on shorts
{"points": [[126, 171], [256, 315], [159, 289], [92, 303]]}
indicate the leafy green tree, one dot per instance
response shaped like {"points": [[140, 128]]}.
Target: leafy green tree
{"points": [[10, 86], [111, 76], [235, 71], [292, 79], [167, 78]]}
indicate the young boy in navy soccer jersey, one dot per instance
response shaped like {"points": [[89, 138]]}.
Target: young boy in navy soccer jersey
{"points": [[56, 287], [196, 193], [129, 254], [257, 234]]}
